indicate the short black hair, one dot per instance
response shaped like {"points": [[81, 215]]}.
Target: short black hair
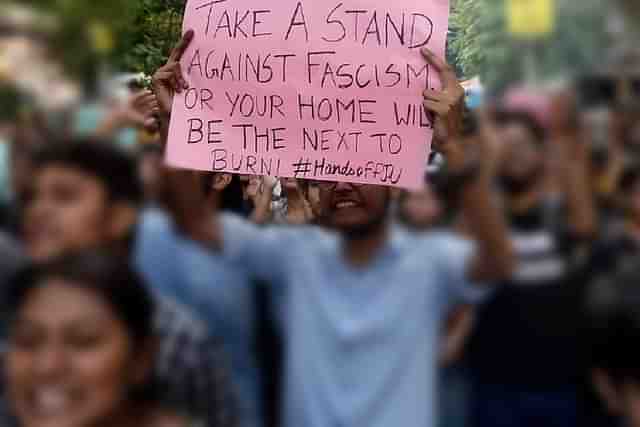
{"points": [[611, 327], [507, 117], [108, 276], [113, 167]]}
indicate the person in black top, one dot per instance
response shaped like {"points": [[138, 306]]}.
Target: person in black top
{"points": [[533, 379], [611, 332]]}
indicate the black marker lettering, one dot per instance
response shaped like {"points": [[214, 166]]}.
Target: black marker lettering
{"points": [[276, 103], [191, 93], [222, 25], [312, 65], [361, 85], [341, 75], [245, 138], [256, 22], [328, 108], [373, 29], [341, 106], [219, 156], [328, 72], [330, 21], [195, 61], [251, 164], [211, 72], [205, 96], [303, 22], [226, 65], [324, 139], [277, 138], [210, 6], [400, 33], [395, 73], [195, 130], [211, 134], [412, 72], [356, 14], [308, 138], [401, 119], [395, 144], [237, 25], [363, 112], [284, 64], [417, 44], [233, 102], [302, 105], [247, 106]]}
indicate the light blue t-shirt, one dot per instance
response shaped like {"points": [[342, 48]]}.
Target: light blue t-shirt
{"points": [[219, 292], [361, 345]]}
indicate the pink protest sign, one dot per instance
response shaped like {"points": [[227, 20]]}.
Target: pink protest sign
{"points": [[308, 89]]}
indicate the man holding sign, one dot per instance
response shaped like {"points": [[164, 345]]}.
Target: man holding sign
{"points": [[361, 306]]}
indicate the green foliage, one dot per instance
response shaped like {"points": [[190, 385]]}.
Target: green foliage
{"points": [[482, 46], [156, 28]]}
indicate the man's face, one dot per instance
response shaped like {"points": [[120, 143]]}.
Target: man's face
{"points": [[352, 208], [68, 211], [523, 158]]}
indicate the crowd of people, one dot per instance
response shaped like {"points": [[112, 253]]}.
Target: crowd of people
{"points": [[502, 294]]}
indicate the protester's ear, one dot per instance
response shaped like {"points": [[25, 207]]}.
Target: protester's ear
{"points": [[221, 181], [122, 218], [607, 390]]}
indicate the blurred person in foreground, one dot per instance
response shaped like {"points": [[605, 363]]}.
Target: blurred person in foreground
{"points": [[214, 287], [611, 332], [81, 346], [86, 194], [360, 308], [534, 379]]}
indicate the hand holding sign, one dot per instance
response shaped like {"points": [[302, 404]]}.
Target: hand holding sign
{"points": [[168, 79], [447, 106]]}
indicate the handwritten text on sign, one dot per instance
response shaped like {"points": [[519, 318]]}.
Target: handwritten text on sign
{"points": [[308, 89]]}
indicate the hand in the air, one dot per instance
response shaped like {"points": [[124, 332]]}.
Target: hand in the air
{"points": [[168, 79], [447, 105]]}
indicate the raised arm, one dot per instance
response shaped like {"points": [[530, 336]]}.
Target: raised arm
{"points": [[185, 198], [574, 177], [473, 177], [261, 251], [168, 80]]}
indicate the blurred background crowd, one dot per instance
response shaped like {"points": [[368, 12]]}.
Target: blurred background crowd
{"points": [[166, 328]]}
